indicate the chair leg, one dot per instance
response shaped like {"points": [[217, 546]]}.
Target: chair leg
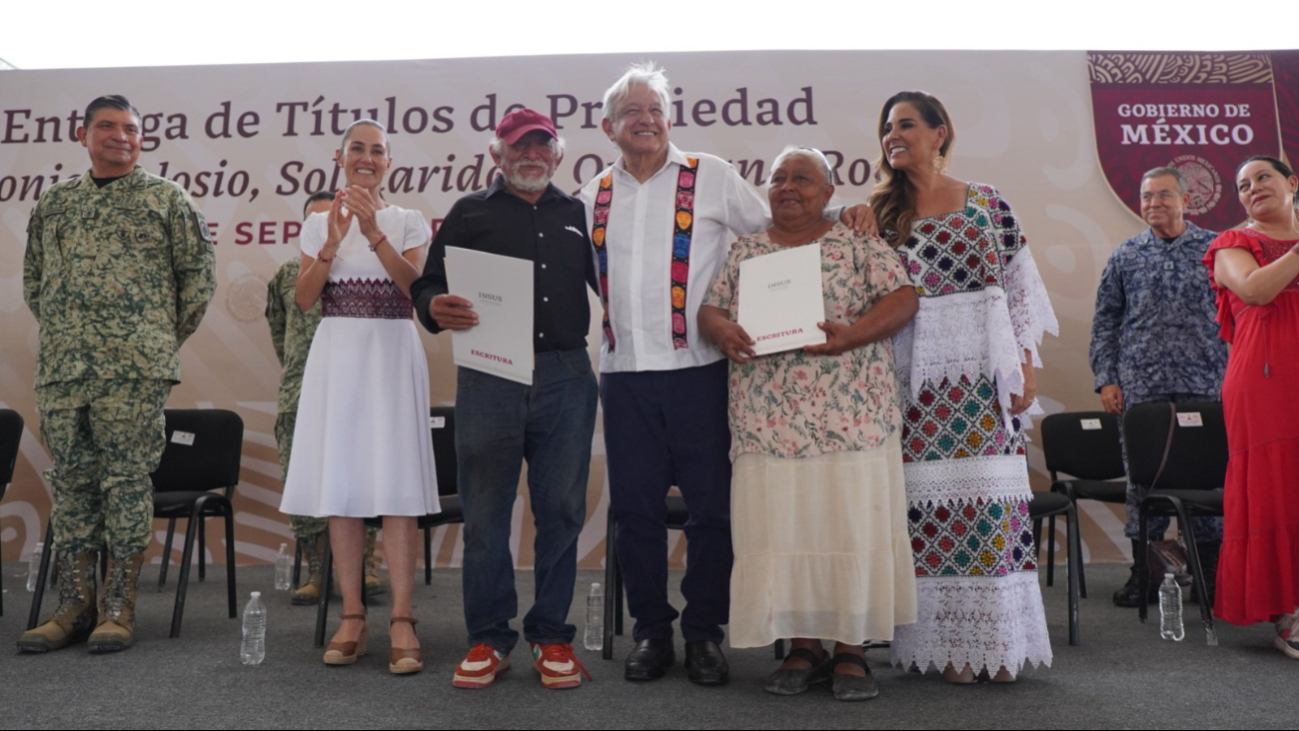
{"points": [[1073, 565], [34, 616], [611, 579], [779, 649], [166, 553], [182, 581], [1050, 551], [228, 512], [1142, 560], [326, 585], [202, 548], [1197, 571], [297, 562], [428, 556]]}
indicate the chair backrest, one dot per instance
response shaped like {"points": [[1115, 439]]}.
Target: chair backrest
{"points": [[442, 425], [11, 434], [1084, 444], [1197, 456], [202, 452]]}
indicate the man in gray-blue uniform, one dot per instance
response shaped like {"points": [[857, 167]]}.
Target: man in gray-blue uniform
{"points": [[1154, 337]]}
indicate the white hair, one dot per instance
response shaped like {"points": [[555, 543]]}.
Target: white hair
{"points": [[645, 73], [497, 146], [816, 156]]}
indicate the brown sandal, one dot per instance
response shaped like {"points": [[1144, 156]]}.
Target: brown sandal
{"points": [[346, 653], [404, 662]]}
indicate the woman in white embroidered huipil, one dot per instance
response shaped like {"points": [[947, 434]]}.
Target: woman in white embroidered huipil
{"points": [[965, 368], [361, 443]]}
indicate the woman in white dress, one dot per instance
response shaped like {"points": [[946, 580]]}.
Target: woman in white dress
{"points": [[361, 444]]}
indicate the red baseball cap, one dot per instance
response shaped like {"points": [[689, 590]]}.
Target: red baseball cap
{"points": [[518, 123]]}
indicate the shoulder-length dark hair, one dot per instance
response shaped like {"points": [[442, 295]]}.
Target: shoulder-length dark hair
{"points": [[894, 197]]}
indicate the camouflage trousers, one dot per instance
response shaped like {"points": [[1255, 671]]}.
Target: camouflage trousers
{"points": [[106, 436], [304, 527]]}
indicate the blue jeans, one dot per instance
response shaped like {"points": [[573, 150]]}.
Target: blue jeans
{"points": [[500, 423]]}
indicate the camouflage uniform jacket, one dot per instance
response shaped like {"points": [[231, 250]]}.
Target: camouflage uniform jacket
{"points": [[291, 331], [1155, 331], [117, 277]]}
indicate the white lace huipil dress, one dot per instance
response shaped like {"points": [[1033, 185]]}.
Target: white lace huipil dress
{"points": [[982, 304]]}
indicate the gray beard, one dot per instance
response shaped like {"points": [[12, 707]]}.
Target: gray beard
{"points": [[528, 185]]}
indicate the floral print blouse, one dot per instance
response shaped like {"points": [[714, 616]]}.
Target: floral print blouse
{"points": [[793, 404]]}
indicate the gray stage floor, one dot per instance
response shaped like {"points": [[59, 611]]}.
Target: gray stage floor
{"points": [[1122, 676]]}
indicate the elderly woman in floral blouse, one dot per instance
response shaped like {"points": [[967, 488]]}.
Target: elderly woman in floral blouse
{"points": [[818, 498]]}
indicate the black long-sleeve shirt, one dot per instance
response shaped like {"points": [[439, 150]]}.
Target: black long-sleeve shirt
{"points": [[551, 234]]}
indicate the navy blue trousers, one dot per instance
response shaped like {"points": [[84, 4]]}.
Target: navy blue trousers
{"points": [[665, 428]]}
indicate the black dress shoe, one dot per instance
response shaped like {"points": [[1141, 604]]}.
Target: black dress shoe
{"points": [[705, 663], [650, 659]]}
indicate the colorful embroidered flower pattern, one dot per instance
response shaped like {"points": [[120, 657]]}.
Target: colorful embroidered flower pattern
{"points": [[683, 223], [979, 539]]}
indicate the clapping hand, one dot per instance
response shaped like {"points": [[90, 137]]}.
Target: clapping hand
{"points": [[339, 223], [363, 204]]}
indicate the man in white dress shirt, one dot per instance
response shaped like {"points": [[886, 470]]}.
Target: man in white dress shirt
{"points": [[661, 222]]}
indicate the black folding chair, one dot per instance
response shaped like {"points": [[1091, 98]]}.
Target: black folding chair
{"points": [[1178, 453], [195, 481], [442, 427], [11, 433], [1049, 505], [1086, 446], [203, 450]]}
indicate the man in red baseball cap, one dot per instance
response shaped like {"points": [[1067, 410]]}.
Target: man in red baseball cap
{"points": [[500, 422]]}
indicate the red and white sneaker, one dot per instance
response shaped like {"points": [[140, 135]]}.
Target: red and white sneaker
{"points": [[557, 666], [480, 667]]}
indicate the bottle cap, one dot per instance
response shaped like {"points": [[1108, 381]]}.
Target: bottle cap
{"points": [[1169, 576], [256, 594], [595, 586]]}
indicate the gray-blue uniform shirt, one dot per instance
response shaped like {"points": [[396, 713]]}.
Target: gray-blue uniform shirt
{"points": [[1154, 331]]}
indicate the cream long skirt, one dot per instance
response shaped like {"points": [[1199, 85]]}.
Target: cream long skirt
{"points": [[821, 547]]}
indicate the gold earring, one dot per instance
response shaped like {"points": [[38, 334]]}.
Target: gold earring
{"points": [[940, 163]]}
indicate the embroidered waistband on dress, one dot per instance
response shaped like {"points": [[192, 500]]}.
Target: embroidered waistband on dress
{"points": [[370, 298]]}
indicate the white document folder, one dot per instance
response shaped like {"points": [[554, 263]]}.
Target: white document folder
{"points": [[781, 299], [500, 288]]}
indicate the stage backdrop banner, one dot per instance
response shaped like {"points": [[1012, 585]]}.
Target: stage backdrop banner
{"points": [[251, 142], [1201, 113]]}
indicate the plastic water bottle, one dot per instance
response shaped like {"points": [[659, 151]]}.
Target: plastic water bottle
{"points": [[593, 639], [253, 648], [1170, 610], [34, 566], [283, 569]]}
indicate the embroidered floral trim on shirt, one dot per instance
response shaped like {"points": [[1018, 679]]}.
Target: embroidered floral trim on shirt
{"points": [[683, 225], [368, 298]]}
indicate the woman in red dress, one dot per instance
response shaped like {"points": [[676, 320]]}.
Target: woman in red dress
{"points": [[1255, 271]]}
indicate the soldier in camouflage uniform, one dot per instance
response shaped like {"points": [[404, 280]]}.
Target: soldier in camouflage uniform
{"points": [[291, 333], [119, 270]]}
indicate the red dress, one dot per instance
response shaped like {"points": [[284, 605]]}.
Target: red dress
{"points": [[1258, 575]]}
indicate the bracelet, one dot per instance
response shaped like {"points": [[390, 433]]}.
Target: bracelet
{"points": [[321, 258], [375, 245]]}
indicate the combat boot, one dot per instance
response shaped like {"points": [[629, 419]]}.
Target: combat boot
{"points": [[117, 597], [309, 592], [374, 584], [75, 617]]}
